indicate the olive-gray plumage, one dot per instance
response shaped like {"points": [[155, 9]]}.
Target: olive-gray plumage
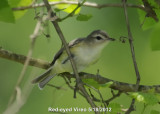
{"points": [[84, 51]]}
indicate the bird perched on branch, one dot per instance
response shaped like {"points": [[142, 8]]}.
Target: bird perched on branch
{"points": [[84, 51]]}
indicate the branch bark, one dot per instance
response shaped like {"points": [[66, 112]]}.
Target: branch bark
{"points": [[86, 4], [116, 85], [21, 59], [131, 46], [131, 108], [19, 96]]}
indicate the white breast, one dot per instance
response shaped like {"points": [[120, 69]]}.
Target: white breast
{"points": [[83, 57], [86, 56]]}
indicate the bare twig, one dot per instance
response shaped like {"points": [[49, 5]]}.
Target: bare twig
{"points": [[71, 87], [33, 38], [78, 80], [15, 104], [22, 95], [53, 16], [93, 97], [113, 97], [131, 107], [96, 91], [57, 87], [132, 46], [87, 4], [21, 59], [133, 56]]}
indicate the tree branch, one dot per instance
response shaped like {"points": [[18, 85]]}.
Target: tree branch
{"points": [[21, 59], [86, 4], [131, 46], [15, 104], [131, 108], [116, 85]]}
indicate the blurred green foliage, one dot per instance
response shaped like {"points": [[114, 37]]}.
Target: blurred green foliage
{"points": [[6, 14], [115, 63], [155, 39]]}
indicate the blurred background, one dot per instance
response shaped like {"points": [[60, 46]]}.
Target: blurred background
{"points": [[115, 62]]}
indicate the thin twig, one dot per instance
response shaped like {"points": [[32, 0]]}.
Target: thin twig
{"points": [[57, 87], [22, 95], [69, 15], [21, 59], [56, 25], [113, 97], [71, 87], [102, 99], [33, 38], [96, 90], [132, 46], [131, 108], [78, 80], [86, 4], [93, 97]]}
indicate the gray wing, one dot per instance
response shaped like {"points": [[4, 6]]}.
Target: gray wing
{"points": [[45, 77], [59, 53], [45, 81], [42, 76]]}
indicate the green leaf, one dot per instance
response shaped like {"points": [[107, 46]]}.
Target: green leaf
{"points": [[92, 82], [147, 98], [154, 112], [68, 8], [115, 108], [19, 3], [6, 14], [84, 17], [57, 10], [108, 84], [155, 38]]}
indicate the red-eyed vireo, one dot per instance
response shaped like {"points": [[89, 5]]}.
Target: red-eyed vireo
{"points": [[84, 51]]}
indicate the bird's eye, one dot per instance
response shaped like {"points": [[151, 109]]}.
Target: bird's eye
{"points": [[99, 38]]}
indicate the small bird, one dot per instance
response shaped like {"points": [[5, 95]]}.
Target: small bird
{"points": [[84, 51]]}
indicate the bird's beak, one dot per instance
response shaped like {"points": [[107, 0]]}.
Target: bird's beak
{"points": [[111, 39]]}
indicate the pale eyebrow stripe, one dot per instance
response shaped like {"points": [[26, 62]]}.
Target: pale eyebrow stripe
{"points": [[102, 36]]}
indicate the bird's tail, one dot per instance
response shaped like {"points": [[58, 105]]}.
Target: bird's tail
{"points": [[43, 79]]}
